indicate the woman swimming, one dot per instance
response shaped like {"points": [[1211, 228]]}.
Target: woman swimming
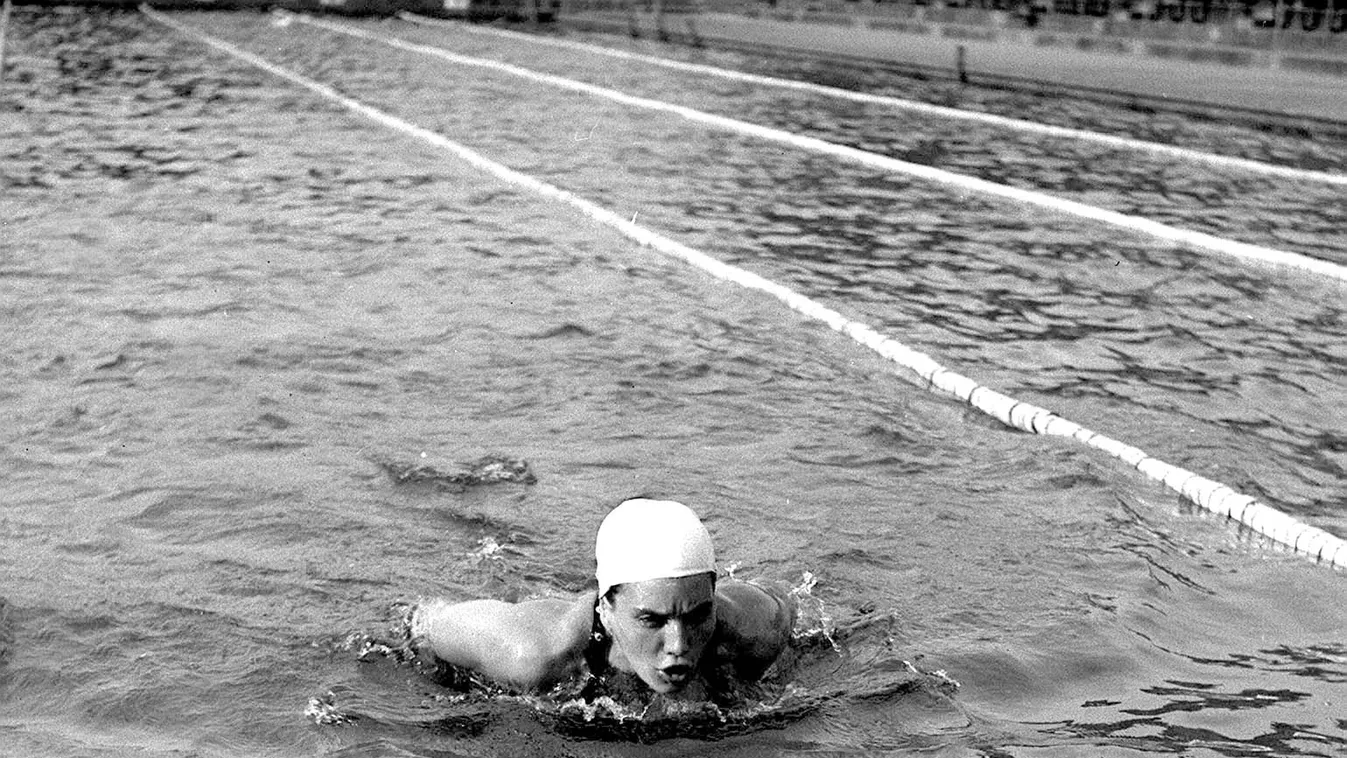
{"points": [[658, 613]]}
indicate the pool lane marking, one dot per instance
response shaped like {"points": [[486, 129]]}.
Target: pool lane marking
{"points": [[1213, 496], [1194, 239], [928, 109]]}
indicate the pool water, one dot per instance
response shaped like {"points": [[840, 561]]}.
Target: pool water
{"points": [[234, 308]]}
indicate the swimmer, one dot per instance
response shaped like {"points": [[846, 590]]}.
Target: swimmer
{"points": [[658, 613]]}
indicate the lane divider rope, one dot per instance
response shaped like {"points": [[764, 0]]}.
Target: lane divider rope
{"points": [[1213, 496], [1156, 229], [941, 111]]}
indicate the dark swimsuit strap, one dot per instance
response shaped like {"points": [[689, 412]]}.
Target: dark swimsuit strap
{"points": [[596, 652]]}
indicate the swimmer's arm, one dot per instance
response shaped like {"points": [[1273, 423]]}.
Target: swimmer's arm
{"points": [[755, 623], [530, 645]]}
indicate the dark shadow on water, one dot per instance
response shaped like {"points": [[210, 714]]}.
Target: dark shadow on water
{"points": [[6, 634], [1162, 729], [1282, 739]]}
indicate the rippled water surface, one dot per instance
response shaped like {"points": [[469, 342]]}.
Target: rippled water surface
{"points": [[233, 308]]}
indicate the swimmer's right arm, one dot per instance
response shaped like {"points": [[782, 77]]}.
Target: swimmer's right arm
{"points": [[530, 645]]}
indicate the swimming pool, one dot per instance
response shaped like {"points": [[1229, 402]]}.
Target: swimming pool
{"points": [[229, 301]]}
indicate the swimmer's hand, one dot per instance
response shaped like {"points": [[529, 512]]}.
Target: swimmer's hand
{"points": [[530, 646], [753, 625]]}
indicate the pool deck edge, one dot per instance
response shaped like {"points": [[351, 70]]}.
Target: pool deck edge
{"points": [[1312, 101]]}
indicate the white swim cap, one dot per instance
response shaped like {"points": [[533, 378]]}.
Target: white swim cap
{"points": [[651, 539]]}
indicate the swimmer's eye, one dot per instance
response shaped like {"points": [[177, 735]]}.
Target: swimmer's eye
{"points": [[695, 617]]}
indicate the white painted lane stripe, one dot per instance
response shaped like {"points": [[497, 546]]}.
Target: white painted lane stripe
{"points": [[1213, 496], [1032, 127], [1156, 229]]}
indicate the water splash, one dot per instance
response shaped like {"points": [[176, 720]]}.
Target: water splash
{"points": [[812, 622], [490, 469], [827, 663]]}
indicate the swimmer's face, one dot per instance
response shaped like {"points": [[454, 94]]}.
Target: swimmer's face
{"points": [[661, 627]]}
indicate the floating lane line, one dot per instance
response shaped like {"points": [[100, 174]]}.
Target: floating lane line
{"points": [[1146, 226], [1032, 127], [1213, 496]]}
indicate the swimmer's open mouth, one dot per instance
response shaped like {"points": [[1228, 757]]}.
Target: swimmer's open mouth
{"points": [[678, 673]]}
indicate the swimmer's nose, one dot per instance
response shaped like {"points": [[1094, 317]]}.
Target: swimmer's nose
{"points": [[675, 638]]}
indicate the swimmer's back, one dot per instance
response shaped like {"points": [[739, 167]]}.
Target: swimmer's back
{"points": [[753, 626]]}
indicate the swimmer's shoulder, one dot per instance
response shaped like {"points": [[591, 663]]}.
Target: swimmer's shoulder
{"points": [[753, 626], [530, 645]]}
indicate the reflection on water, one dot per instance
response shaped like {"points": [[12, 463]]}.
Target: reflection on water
{"points": [[262, 355]]}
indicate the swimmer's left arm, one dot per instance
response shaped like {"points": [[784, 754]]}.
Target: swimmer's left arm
{"points": [[529, 645], [755, 623]]}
